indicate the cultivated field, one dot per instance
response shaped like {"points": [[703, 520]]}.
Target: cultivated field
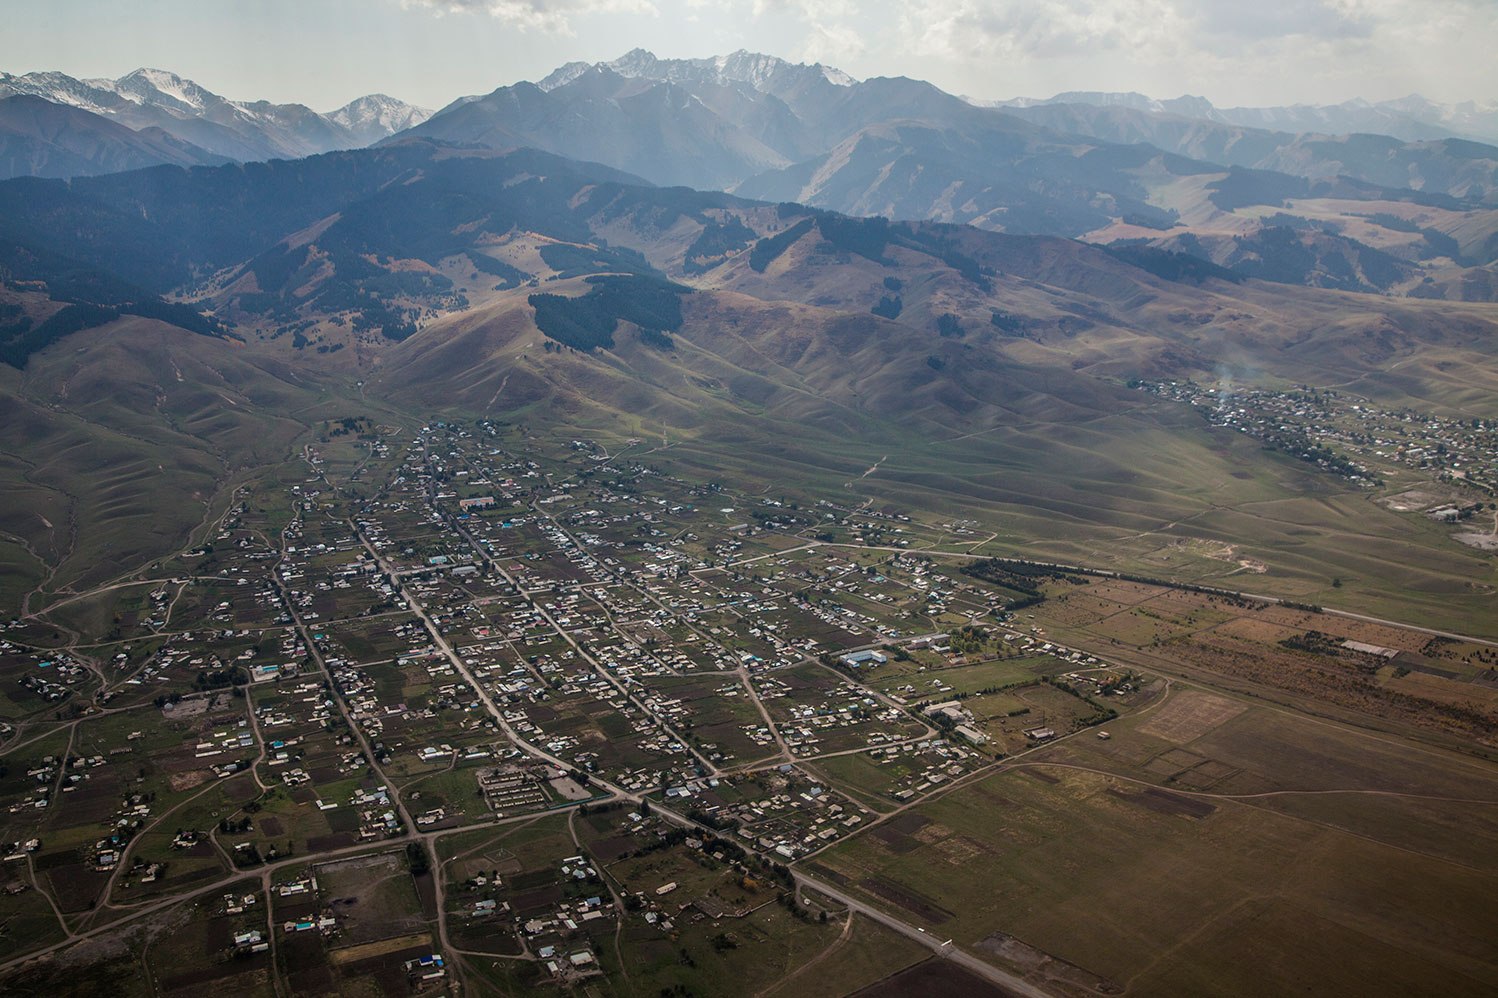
{"points": [[1144, 860]]}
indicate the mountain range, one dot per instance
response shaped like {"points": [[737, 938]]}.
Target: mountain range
{"points": [[1412, 118], [1344, 212], [221, 128], [1353, 212], [1455, 166], [726, 121]]}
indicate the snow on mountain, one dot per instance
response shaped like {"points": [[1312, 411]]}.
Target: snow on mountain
{"points": [[837, 77], [164, 89], [559, 77], [762, 72], [378, 115], [241, 130], [97, 96]]}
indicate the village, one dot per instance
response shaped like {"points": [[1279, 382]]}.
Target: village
{"points": [[441, 698], [1352, 437]]}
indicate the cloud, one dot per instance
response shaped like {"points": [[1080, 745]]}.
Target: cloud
{"points": [[831, 43], [967, 29], [1324, 20], [825, 9], [1250, 48], [1051, 28], [831, 34], [550, 16]]}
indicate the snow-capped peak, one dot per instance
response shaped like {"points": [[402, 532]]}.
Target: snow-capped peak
{"points": [[152, 85], [240, 130], [756, 69], [59, 88], [563, 75], [378, 115], [837, 77]]}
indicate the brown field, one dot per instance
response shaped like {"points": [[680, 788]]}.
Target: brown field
{"points": [[373, 898], [1205, 832], [1257, 629], [1240, 641], [1189, 715], [931, 979]]}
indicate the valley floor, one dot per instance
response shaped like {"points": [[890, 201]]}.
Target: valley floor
{"points": [[448, 708]]}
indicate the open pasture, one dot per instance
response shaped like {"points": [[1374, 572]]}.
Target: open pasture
{"points": [[1115, 876]]}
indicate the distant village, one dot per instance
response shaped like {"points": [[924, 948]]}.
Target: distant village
{"points": [[1350, 437]]}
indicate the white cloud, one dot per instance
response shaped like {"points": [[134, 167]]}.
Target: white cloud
{"points": [[1040, 28], [1324, 20], [830, 25], [551, 16], [831, 43], [1257, 51], [1048, 28]]}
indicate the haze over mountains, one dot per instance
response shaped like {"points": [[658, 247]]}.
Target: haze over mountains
{"points": [[1411, 118], [43, 139], [1331, 211], [727, 121]]}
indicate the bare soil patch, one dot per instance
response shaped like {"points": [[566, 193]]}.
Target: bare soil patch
{"points": [[921, 907], [1039, 965], [188, 780], [1165, 802], [932, 979], [1189, 715]]}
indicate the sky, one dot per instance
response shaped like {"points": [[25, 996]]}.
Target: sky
{"points": [[324, 53]]}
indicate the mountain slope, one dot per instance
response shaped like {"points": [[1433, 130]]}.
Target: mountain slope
{"points": [[756, 341], [430, 231], [1456, 167], [42, 139], [660, 130], [773, 130], [1125, 170]]}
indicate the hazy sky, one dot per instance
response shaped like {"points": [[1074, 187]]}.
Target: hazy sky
{"points": [[325, 52]]}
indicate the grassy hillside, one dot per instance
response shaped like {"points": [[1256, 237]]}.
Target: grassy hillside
{"points": [[116, 448], [530, 290]]}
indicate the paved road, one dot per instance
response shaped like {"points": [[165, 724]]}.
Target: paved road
{"points": [[944, 948]]}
